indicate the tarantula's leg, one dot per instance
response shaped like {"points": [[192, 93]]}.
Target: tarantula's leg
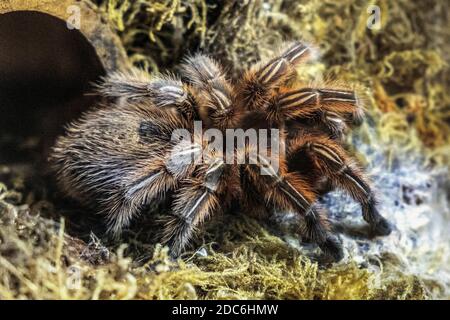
{"points": [[331, 107], [149, 186], [202, 71], [287, 191], [129, 86], [134, 86], [121, 208], [305, 102], [213, 93], [332, 161], [262, 81], [150, 183], [197, 199], [168, 91]]}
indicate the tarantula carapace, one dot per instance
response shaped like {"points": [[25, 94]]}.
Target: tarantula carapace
{"points": [[123, 156]]}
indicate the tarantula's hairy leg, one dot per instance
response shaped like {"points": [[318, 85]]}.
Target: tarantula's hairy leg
{"points": [[151, 183], [168, 91], [202, 71], [262, 81], [305, 102], [131, 85], [136, 86], [197, 199], [334, 108], [213, 93], [287, 191], [149, 187], [334, 162]]}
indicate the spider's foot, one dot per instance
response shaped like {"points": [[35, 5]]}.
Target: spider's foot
{"points": [[382, 227], [332, 247]]}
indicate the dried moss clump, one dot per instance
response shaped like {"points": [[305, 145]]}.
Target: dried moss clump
{"points": [[157, 34]]}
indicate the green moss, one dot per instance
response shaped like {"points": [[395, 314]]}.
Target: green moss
{"points": [[157, 33], [39, 260]]}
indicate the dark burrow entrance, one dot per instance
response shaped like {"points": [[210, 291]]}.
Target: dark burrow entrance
{"points": [[46, 69]]}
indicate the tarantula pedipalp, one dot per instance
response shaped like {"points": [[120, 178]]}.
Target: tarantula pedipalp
{"points": [[122, 156]]}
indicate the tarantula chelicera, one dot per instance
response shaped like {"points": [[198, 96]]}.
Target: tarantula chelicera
{"points": [[122, 156]]}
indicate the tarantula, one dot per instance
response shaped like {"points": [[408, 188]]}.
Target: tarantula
{"points": [[122, 156]]}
